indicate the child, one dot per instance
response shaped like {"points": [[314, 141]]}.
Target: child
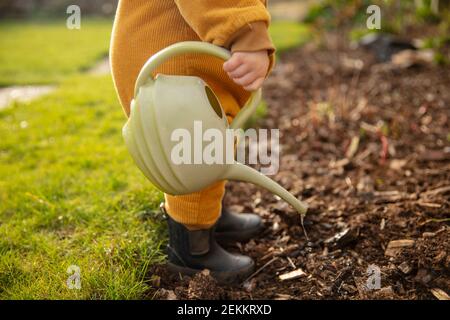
{"points": [[142, 28]]}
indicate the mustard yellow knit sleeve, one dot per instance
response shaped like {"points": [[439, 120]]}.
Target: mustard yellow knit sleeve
{"points": [[217, 21]]}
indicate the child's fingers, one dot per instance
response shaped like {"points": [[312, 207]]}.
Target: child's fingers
{"points": [[255, 84], [245, 80], [232, 63], [239, 71]]}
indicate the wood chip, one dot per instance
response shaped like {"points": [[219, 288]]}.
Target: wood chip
{"points": [[292, 275], [428, 204], [400, 243], [168, 294], [385, 293], [440, 294], [343, 238], [382, 224], [392, 196], [339, 164], [397, 164], [353, 148], [437, 191], [394, 247], [405, 267], [281, 296]]}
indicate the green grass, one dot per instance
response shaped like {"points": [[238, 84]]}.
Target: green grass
{"points": [[47, 52], [287, 34], [69, 192]]}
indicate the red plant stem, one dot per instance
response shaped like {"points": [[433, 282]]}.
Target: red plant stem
{"points": [[384, 148]]}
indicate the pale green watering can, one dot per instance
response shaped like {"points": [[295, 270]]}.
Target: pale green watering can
{"points": [[167, 103]]}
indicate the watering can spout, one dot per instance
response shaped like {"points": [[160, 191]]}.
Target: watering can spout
{"points": [[241, 172]]}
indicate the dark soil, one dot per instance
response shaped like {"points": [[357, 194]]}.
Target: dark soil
{"points": [[392, 185]]}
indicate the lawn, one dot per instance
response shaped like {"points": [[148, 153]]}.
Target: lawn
{"points": [[287, 34], [69, 193], [47, 52]]}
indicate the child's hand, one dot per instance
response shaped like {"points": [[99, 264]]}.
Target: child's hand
{"points": [[248, 69]]}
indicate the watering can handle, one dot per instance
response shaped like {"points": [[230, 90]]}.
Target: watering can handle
{"points": [[179, 48]]}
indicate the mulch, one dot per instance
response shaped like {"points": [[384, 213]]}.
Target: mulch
{"points": [[367, 146]]}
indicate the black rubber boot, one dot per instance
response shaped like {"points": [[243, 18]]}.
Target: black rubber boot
{"points": [[190, 252], [237, 227]]}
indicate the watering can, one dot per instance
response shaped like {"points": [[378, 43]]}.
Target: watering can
{"points": [[170, 102]]}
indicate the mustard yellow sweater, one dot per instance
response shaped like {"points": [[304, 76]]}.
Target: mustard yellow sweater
{"points": [[143, 27]]}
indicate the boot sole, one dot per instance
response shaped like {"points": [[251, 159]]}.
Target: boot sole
{"points": [[222, 277], [230, 237]]}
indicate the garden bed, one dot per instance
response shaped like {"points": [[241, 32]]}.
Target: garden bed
{"points": [[367, 145]]}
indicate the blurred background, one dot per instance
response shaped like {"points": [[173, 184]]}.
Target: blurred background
{"points": [[22, 9], [366, 110]]}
